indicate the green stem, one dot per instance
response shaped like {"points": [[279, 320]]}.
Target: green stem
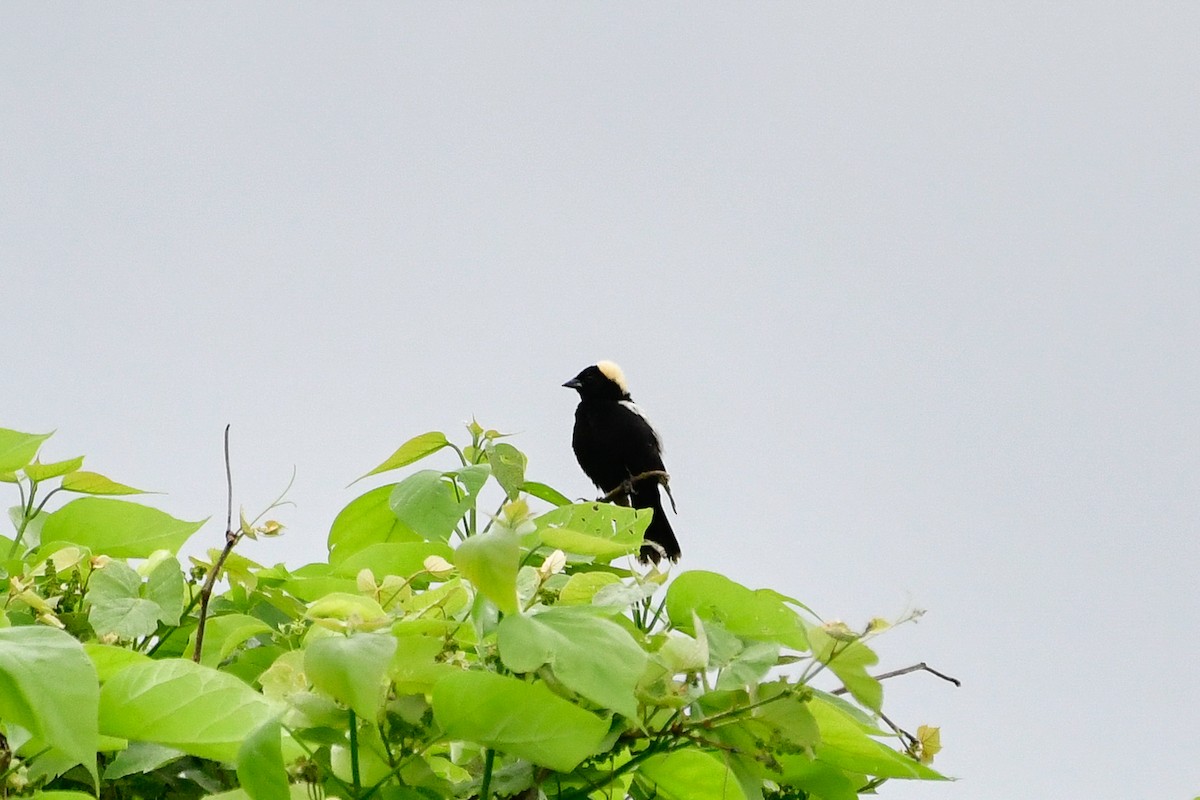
{"points": [[485, 787]]}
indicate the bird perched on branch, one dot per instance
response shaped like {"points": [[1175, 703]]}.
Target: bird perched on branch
{"points": [[621, 452]]}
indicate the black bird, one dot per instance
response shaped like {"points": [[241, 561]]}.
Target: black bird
{"points": [[614, 443]]}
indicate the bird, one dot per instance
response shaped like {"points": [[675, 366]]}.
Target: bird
{"points": [[614, 443]]}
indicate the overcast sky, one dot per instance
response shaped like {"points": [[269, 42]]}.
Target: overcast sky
{"points": [[910, 291]]}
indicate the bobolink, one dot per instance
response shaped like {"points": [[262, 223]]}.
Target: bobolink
{"points": [[614, 443]]}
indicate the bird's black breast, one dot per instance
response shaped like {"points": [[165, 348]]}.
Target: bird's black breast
{"points": [[613, 443]]}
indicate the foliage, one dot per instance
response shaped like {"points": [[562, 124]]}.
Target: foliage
{"points": [[440, 652]]}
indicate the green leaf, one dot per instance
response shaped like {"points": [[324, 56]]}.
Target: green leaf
{"points": [[117, 606], [543, 492], [110, 659], [60, 794], [849, 661], [415, 668], [183, 705], [413, 450], [351, 669], [404, 559], [365, 521], [750, 614], [140, 757], [95, 483], [691, 775], [165, 588], [490, 561], [48, 686], [846, 745], [525, 720], [18, 449], [816, 778], [581, 587], [601, 530], [223, 635], [431, 502], [260, 767], [593, 656], [44, 472], [508, 467], [116, 528]]}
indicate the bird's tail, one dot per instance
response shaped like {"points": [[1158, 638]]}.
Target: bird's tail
{"points": [[659, 532]]}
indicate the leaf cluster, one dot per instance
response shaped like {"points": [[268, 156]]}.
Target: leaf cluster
{"points": [[440, 651]]}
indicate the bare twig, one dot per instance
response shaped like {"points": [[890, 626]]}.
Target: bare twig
{"points": [[231, 538], [922, 667]]}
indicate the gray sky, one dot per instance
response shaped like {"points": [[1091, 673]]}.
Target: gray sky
{"points": [[910, 291]]}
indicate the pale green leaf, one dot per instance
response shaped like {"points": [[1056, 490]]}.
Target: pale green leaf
{"points": [[581, 587], [351, 669], [95, 483], [600, 530], [44, 472], [365, 521], [849, 661], [116, 528], [691, 775], [260, 767], [743, 612], [525, 720], [49, 687], [592, 655], [431, 503], [18, 449], [223, 635], [117, 607], [543, 492], [846, 745], [508, 467], [180, 704], [490, 561], [140, 757], [413, 450]]}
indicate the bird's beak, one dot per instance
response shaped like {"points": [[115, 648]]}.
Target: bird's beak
{"points": [[573, 384]]}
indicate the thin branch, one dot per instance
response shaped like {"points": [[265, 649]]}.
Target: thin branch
{"points": [[626, 487], [922, 667], [231, 539]]}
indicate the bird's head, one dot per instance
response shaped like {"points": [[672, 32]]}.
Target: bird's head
{"points": [[601, 381]]}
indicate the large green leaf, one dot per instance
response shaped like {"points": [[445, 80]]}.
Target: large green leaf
{"points": [[592, 655], [116, 528], [431, 502], [183, 705], [109, 659], [413, 450], [351, 669], [18, 449], [526, 720], [367, 520], [845, 744], [601, 530], [691, 775], [490, 561], [743, 612], [49, 687]]}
